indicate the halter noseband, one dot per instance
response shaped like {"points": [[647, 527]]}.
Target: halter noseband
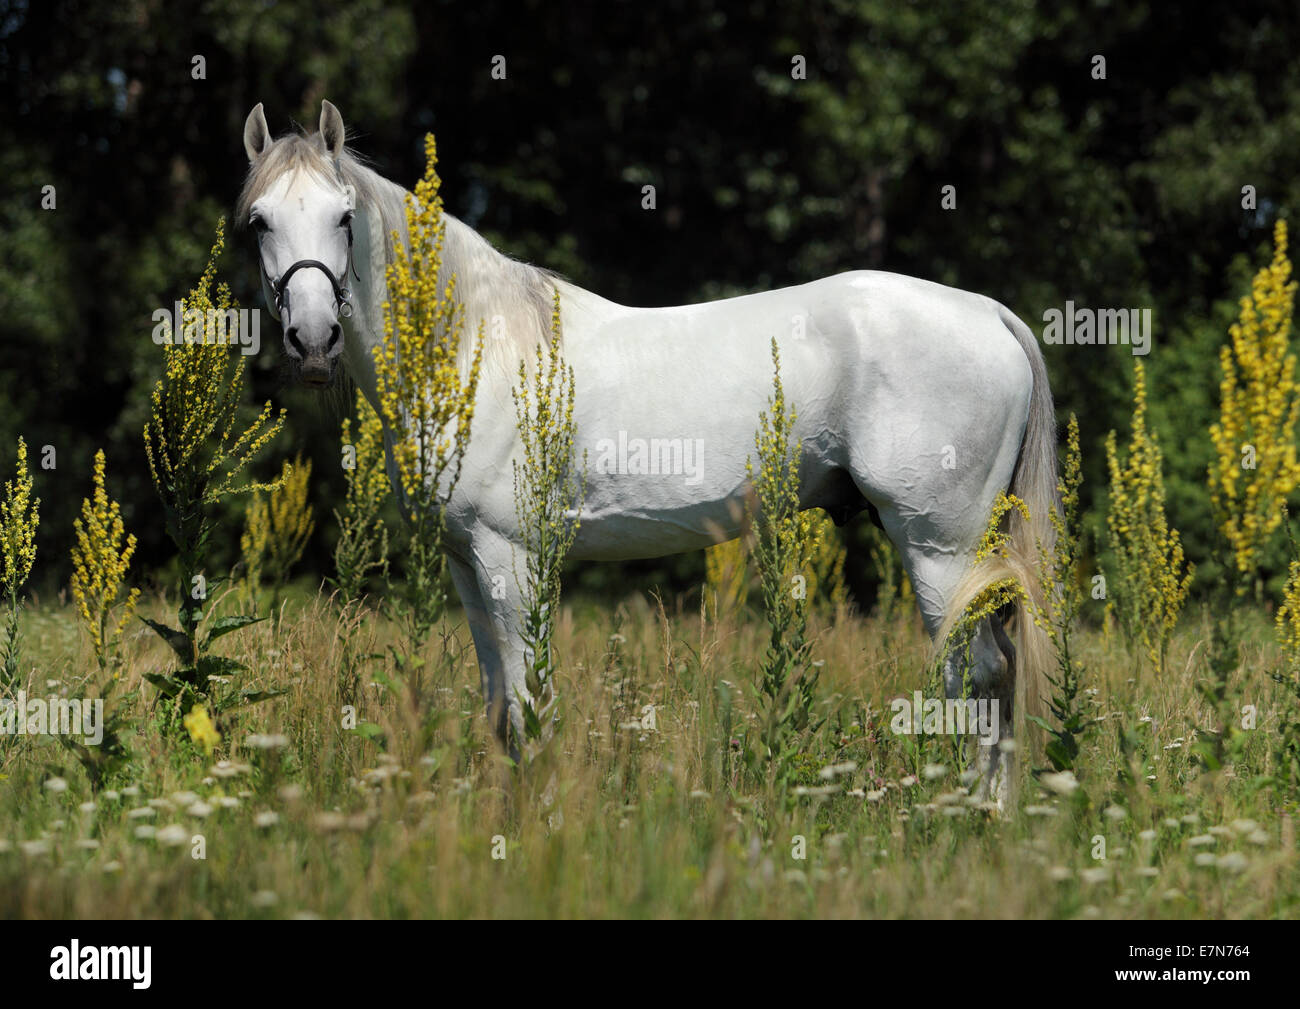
{"points": [[342, 296]]}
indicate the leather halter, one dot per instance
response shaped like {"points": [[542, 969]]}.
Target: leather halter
{"points": [[342, 296]]}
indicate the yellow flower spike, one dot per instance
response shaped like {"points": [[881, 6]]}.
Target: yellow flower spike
{"points": [[783, 549], [426, 384], [278, 526], [101, 557], [996, 539], [1288, 619], [195, 454], [197, 439], [548, 504], [19, 519], [426, 380], [1259, 407], [363, 539], [1151, 581]]}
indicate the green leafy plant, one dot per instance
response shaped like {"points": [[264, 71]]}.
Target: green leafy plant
{"points": [[198, 450], [787, 685], [19, 517], [1151, 582], [1059, 574], [548, 504], [362, 547]]}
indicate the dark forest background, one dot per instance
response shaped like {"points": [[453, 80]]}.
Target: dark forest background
{"points": [[1122, 192]]}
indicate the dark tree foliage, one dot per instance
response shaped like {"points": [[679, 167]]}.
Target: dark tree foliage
{"points": [[1116, 192]]}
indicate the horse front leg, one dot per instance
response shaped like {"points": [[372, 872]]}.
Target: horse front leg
{"points": [[490, 668], [485, 581]]}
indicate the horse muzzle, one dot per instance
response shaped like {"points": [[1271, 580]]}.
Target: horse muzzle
{"points": [[315, 350], [318, 370]]}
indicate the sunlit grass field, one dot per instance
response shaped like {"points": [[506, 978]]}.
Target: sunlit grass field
{"points": [[639, 806]]}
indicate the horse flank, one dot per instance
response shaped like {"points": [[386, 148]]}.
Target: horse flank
{"points": [[1034, 482]]}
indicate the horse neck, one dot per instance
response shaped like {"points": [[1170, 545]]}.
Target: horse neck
{"points": [[366, 328], [493, 289]]}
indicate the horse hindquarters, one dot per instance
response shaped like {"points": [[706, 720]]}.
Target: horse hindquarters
{"points": [[952, 456]]}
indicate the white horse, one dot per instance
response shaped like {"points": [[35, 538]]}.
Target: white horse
{"points": [[916, 401]]}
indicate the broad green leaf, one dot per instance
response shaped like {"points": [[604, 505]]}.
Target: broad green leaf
{"points": [[224, 625], [180, 644]]}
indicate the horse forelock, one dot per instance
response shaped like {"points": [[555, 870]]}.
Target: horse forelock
{"points": [[294, 153]]}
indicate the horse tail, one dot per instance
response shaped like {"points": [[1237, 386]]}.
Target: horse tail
{"points": [[1034, 481]]}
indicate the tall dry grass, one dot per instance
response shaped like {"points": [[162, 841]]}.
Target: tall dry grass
{"points": [[638, 808]]}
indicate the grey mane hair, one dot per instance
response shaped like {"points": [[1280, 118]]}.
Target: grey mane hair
{"points": [[488, 283]]}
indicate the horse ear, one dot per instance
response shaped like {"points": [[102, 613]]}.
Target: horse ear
{"points": [[257, 138], [331, 128]]}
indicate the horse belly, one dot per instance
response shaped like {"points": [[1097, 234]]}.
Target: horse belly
{"points": [[658, 486], [669, 404]]}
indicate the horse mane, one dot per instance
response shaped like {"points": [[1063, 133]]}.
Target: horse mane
{"points": [[489, 284]]}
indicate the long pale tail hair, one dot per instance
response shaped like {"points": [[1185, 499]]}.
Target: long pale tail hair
{"points": [[1034, 481]]}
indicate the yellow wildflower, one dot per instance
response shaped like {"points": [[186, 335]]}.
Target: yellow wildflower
{"points": [[195, 455], [100, 559], [548, 504], [19, 517], [1255, 467], [426, 385], [199, 725], [1152, 582], [363, 540], [276, 529]]}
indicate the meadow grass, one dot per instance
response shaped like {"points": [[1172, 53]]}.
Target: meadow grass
{"points": [[640, 806]]}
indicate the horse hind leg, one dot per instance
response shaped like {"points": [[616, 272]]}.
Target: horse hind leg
{"points": [[981, 669], [985, 674]]}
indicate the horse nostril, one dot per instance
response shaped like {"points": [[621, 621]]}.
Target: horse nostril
{"points": [[291, 334], [336, 334]]}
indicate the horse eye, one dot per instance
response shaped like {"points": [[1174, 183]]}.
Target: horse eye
{"points": [[346, 219], [258, 225]]}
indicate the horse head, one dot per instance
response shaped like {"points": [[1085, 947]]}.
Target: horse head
{"points": [[301, 211]]}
